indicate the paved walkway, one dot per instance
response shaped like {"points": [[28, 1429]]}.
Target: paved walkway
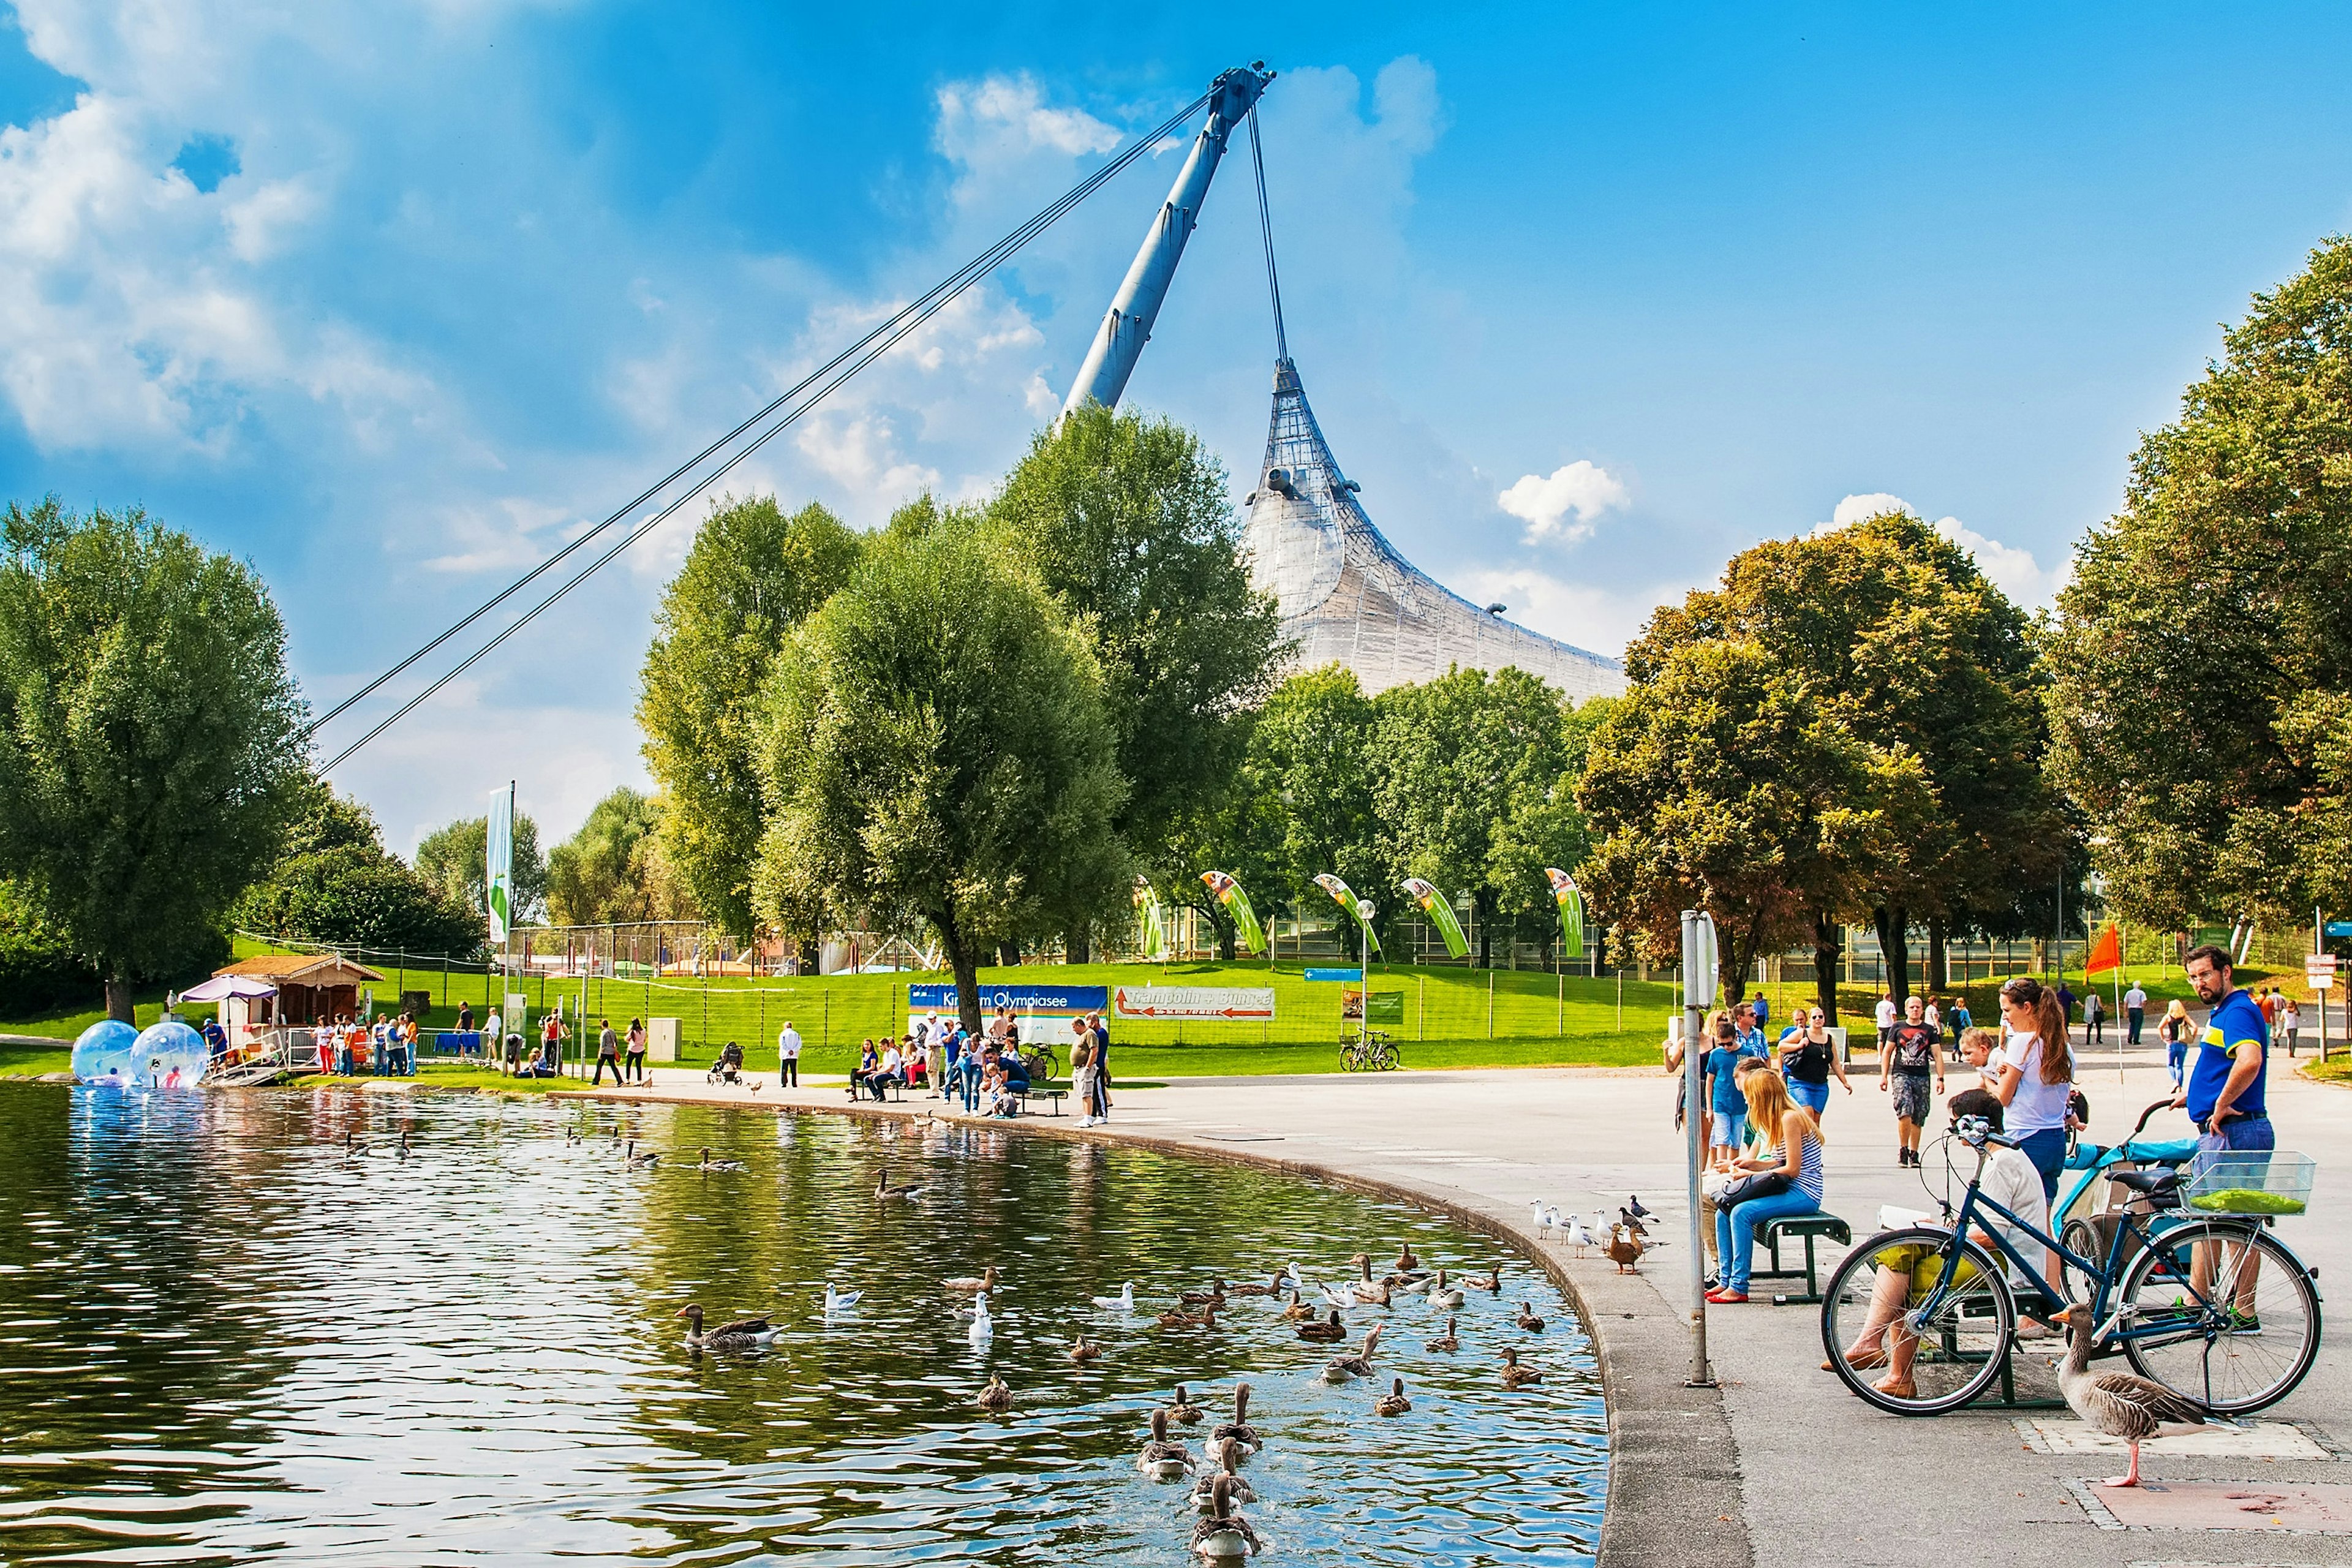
{"points": [[1781, 1466]]}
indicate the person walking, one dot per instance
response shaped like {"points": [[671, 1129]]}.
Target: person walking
{"points": [[1796, 1162], [1748, 1023], [788, 1057], [1886, 1017], [1962, 1023], [2290, 1023], [1809, 1054], [1720, 1091], [1912, 1054], [635, 1063], [2135, 1013], [2095, 1020], [2176, 1030], [2037, 1076], [608, 1054]]}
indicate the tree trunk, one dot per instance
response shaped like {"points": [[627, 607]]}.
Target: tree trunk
{"points": [[1484, 917], [118, 998], [1894, 955], [1079, 945], [964, 964], [1939, 968], [1829, 945], [811, 956], [1227, 934], [1008, 953], [1734, 964]]}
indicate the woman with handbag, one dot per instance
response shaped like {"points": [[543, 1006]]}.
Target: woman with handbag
{"points": [[1786, 1182]]}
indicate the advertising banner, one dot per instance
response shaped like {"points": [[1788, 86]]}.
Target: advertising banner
{"points": [[1440, 914], [1387, 1007], [1236, 902], [1571, 912], [1155, 928], [1019, 998], [1235, 1001], [1345, 898], [498, 863]]}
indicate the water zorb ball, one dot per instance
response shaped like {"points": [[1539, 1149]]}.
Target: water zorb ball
{"points": [[169, 1055], [102, 1053]]}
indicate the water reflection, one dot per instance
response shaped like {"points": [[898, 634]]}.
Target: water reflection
{"points": [[224, 1338]]}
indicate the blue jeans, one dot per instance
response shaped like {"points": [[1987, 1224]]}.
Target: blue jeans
{"points": [[969, 1071], [2253, 1133], [2176, 1059], [1734, 1232], [1813, 1096], [2047, 1150]]}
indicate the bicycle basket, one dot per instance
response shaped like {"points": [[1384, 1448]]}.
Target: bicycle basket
{"points": [[2249, 1182]]}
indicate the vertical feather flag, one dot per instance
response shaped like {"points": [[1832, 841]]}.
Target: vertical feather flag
{"points": [[498, 860], [1347, 900], [2107, 953], [1155, 928], [1236, 902], [1440, 914], [1565, 893]]}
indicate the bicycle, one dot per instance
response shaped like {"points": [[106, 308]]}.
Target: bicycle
{"points": [[1371, 1052], [2238, 1343], [1042, 1064]]}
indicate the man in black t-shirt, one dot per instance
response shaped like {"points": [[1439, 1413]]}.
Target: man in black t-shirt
{"points": [[1904, 1068]]}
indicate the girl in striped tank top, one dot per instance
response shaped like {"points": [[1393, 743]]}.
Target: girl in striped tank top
{"points": [[1798, 1158]]}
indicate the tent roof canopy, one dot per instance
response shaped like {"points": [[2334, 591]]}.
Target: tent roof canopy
{"points": [[221, 987]]}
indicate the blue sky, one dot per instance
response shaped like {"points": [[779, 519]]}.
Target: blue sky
{"points": [[390, 298]]}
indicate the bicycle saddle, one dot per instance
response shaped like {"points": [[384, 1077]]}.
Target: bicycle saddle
{"points": [[2148, 1181]]}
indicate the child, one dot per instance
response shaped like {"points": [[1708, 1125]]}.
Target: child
{"points": [[1976, 1049]]}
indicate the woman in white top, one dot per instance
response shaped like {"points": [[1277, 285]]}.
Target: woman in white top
{"points": [[2290, 1023], [2037, 1076]]}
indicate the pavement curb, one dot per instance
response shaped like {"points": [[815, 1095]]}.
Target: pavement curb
{"points": [[1673, 1494]]}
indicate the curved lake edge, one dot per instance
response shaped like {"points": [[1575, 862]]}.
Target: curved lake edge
{"points": [[1674, 1492]]}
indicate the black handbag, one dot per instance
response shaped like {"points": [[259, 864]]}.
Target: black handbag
{"points": [[1762, 1184]]}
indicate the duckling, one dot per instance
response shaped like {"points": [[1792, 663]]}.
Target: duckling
{"points": [[885, 1192], [1297, 1311], [744, 1334], [1207, 1320], [710, 1164], [1448, 1342], [997, 1397], [1327, 1332], [1270, 1287], [968, 1286], [1238, 1433], [1527, 1319], [1182, 1410], [1212, 1296], [1162, 1459], [1229, 1459], [1224, 1534], [1343, 1367], [1392, 1403], [1085, 1350], [1444, 1295], [1491, 1281], [1514, 1375]]}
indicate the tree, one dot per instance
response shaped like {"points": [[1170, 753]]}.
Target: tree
{"points": [[1309, 759], [1128, 523], [335, 883], [1720, 782], [1899, 635], [1472, 791], [2201, 657], [935, 751], [753, 575], [613, 870], [150, 748], [456, 859]]}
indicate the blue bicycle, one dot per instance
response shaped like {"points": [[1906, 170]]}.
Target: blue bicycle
{"points": [[2198, 1297]]}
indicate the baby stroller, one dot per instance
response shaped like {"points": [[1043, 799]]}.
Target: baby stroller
{"points": [[729, 1067]]}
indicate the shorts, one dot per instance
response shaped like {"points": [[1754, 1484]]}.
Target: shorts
{"points": [[1729, 1126], [1912, 1100], [2247, 1134]]}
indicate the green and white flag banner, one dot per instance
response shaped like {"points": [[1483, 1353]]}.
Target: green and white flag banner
{"points": [[1348, 900], [1440, 912], [1155, 928], [498, 863], [1236, 902], [1565, 892]]}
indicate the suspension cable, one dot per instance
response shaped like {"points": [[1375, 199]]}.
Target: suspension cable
{"points": [[896, 328], [1265, 231]]}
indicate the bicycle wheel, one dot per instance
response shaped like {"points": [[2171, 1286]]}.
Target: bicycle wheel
{"points": [[2083, 1240], [1348, 1061], [1385, 1057], [1042, 1064], [1884, 1297], [2240, 1344]]}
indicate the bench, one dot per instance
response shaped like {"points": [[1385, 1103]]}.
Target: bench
{"points": [[1025, 1095], [1812, 1228]]}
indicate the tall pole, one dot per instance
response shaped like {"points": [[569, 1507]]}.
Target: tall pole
{"points": [[1693, 1007]]}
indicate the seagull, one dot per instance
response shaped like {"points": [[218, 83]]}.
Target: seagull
{"points": [[1539, 1218], [983, 1327], [1334, 1296], [837, 1301], [1122, 1303], [1578, 1236], [1552, 1218]]}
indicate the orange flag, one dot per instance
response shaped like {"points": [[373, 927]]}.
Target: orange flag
{"points": [[2107, 953]]}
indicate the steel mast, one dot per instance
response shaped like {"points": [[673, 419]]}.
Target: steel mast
{"points": [[1127, 325]]}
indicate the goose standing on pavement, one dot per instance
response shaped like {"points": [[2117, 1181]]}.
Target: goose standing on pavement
{"points": [[2116, 1402]]}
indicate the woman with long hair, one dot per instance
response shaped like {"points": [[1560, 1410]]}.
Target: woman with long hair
{"points": [[1809, 1054], [2036, 1076], [2177, 1028], [1797, 1161]]}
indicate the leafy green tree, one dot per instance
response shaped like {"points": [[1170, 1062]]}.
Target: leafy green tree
{"points": [[1720, 782], [454, 858], [1310, 762], [935, 751], [1237, 828], [1126, 521], [753, 575], [336, 883], [1472, 791], [613, 870], [2202, 655], [150, 734]]}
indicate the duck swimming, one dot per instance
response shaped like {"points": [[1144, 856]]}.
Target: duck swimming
{"points": [[1490, 1281], [1163, 1458], [1327, 1332], [1212, 1296], [1392, 1403], [1085, 1350], [744, 1334], [1297, 1311], [1343, 1367], [1224, 1534], [1238, 1433], [997, 1397], [1270, 1287], [1448, 1341], [1207, 1320], [1527, 1319], [967, 1284], [1182, 1408], [1514, 1375], [710, 1164], [1229, 1458]]}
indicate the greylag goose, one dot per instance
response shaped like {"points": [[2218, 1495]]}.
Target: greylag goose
{"points": [[1229, 1460], [1343, 1367], [1162, 1458], [1238, 1431], [742, 1334], [2116, 1402], [1392, 1403], [1224, 1534], [1445, 1296]]}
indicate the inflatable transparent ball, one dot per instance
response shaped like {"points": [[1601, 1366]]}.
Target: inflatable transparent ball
{"points": [[169, 1055], [102, 1053]]}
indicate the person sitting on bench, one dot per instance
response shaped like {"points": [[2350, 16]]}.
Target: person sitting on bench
{"points": [[869, 1062], [1795, 1162], [890, 1071]]}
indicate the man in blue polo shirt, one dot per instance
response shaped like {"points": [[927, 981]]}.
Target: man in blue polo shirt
{"points": [[2223, 1093], [1744, 1021]]}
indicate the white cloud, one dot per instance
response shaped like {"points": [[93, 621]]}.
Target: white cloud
{"points": [[861, 454], [1566, 504], [2013, 571]]}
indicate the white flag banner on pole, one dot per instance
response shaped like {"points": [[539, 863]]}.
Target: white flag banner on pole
{"points": [[499, 865]]}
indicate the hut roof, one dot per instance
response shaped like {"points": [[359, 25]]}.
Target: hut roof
{"points": [[304, 969]]}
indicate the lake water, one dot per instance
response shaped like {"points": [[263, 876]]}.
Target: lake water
{"points": [[224, 1340]]}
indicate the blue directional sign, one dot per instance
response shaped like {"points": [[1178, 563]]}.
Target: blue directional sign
{"points": [[1349, 976], [2339, 928]]}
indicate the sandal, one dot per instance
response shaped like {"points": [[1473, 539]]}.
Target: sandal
{"points": [[1867, 1360], [1898, 1388]]}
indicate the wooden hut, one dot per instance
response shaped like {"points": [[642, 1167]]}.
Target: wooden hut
{"points": [[309, 988]]}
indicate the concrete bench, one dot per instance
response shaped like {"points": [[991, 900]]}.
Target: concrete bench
{"points": [[1812, 1228], [1025, 1095]]}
